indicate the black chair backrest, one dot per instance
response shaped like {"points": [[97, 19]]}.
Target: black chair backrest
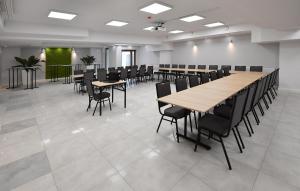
{"points": [[120, 68], [193, 80], [76, 72], [161, 65], [191, 67], [167, 65], [113, 76], [256, 68], [250, 98], [150, 69], [202, 67], [257, 92], [142, 71], [204, 78], [124, 73], [226, 72], [133, 72], [238, 107], [101, 75], [111, 69], [88, 79], [181, 84], [263, 86], [220, 74], [213, 67], [162, 89], [143, 66], [223, 67], [181, 66], [240, 68], [213, 75]]}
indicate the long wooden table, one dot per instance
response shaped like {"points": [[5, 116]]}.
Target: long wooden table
{"points": [[204, 97], [119, 85], [186, 70]]}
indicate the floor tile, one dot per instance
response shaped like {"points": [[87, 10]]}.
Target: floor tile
{"points": [[45, 183], [23, 171], [18, 125], [152, 173], [190, 182]]}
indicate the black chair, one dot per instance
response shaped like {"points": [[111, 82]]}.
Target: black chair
{"points": [[221, 127], [256, 100], [111, 69], [194, 81], [124, 74], [120, 68], [173, 72], [160, 72], [202, 67], [240, 68], [191, 67], [220, 74], [213, 75], [181, 84], [133, 74], [77, 80], [98, 97], [181, 73], [101, 75], [228, 67], [213, 67], [204, 78], [141, 74], [172, 112], [149, 73], [256, 68]]}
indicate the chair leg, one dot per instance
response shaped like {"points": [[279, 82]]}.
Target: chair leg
{"points": [[191, 125], [177, 133], [109, 103], [265, 102], [89, 106], [159, 123], [239, 135], [195, 118], [269, 98], [95, 108], [249, 123], [237, 140], [274, 91], [224, 149], [255, 116], [247, 127], [272, 94], [260, 109]]}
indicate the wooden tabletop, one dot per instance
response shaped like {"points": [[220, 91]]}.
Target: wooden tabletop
{"points": [[104, 84], [186, 70], [204, 97]]}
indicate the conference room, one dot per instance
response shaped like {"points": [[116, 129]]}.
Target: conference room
{"points": [[146, 95]]}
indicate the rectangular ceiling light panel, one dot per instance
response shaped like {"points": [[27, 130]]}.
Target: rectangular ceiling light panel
{"points": [[116, 23], [61, 15], [217, 24], [192, 18], [156, 8]]}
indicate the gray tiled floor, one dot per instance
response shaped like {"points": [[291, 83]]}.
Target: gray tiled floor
{"points": [[49, 142]]}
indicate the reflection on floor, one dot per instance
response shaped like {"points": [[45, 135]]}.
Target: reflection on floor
{"points": [[49, 142]]}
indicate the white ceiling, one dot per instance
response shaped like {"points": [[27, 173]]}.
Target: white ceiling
{"points": [[93, 14], [89, 26]]}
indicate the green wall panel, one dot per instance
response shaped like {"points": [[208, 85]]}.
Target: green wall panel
{"points": [[57, 56]]}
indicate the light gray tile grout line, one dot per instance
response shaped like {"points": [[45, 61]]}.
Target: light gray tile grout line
{"points": [[45, 150], [268, 147]]}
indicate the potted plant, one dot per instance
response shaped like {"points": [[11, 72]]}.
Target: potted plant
{"points": [[27, 65], [88, 61]]}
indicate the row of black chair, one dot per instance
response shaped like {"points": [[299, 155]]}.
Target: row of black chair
{"points": [[226, 117]]}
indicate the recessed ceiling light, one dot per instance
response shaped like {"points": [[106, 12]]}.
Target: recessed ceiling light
{"points": [[217, 24], [116, 23], [176, 31], [149, 28], [61, 15], [192, 18], [155, 8]]}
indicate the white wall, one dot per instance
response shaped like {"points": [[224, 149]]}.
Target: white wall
{"points": [[80, 52], [289, 62], [6, 61], [219, 51], [99, 56]]}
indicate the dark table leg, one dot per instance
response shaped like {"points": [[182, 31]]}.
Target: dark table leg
{"points": [[8, 78], [17, 77], [125, 94], [100, 108], [112, 94], [13, 78]]}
